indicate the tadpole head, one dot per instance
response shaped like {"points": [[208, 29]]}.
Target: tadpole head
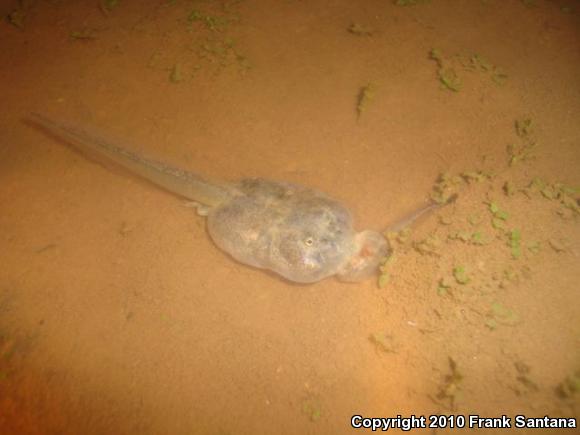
{"points": [[371, 248]]}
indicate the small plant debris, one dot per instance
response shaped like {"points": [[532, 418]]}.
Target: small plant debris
{"points": [[514, 243], [534, 247], [570, 386], [460, 275], [85, 34], [409, 2], [125, 229], [451, 386], [510, 275], [491, 323], [475, 176], [474, 219], [480, 238], [497, 212], [18, 15], [211, 22], [384, 275], [383, 342], [400, 237], [557, 245], [480, 64], [499, 77], [498, 217], [365, 97], [529, 3], [449, 68], [176, 76], [445, 220], [444, 287], [447, 74], [14, 347], [446, 187], [523, 127], [497, 224], [509, 188], [45, 248], [524, 150], [523, 377], [520, 153], [312, 408], [566, 195], [462, 236], [360, 30], [428, 246], [384, 279], [223, 52], [108, 5], [208, 44], [500, 315]]}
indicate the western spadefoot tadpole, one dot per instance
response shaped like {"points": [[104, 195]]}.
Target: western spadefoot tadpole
{"points": [[296, 232]]}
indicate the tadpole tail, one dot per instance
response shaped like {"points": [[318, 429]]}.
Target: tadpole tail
{"points": [[412, 217], [177, 181]]}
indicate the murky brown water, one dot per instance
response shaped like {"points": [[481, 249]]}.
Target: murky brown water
{"points": [[118, 315]]}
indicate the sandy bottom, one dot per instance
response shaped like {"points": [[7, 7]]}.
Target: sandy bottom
{"points": [[119, 316]]}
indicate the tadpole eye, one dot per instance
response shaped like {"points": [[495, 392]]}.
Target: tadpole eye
{"points": [[309, 241]]}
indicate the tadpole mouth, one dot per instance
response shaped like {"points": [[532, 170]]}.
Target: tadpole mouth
{"points": [[371, 248]]}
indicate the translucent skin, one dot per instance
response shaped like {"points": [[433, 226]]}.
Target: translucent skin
{"points": [[296, 232]]}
